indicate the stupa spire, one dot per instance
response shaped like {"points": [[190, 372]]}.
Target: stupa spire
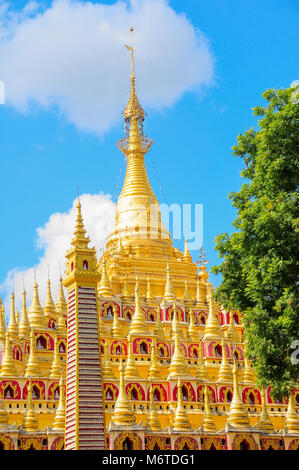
{"points": [[8, 368], [265, 423], [138, 325], [59, 420], [32, 369], [49, 308], [12, 326], [123, 414], [208, 423], [238, 416], [35, 313], [24, 327], [138, 214], [30, 422], [153, 422], [181, 421], [80, 239], [292, 420]]}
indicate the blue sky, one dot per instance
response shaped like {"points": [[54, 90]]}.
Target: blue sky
{"points": [[44, 157]]}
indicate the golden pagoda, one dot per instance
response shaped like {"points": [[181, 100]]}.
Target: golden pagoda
{"points": [[130, 349]]}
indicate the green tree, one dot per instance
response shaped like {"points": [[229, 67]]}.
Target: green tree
{"points": [[260, 259]]}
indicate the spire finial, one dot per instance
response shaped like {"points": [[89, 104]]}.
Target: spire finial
{"points": [[131, 49]]}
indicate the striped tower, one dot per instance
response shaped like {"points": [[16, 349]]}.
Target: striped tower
{"points": [[85, 427]]}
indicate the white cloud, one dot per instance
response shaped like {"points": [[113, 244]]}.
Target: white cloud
{"points": [[54, 238], [71, 56]]}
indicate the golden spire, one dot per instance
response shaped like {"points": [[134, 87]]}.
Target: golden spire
{"points": [[225, 371], [238, 416], [61, 325], [3, 415], [24, 327], [192, 330], [154, 370], [181, 421], [35, 313], [149, 296], [8, 368], [169, 295], [231, 332], [187, 297], [12, 326], [59, 420], [80, 239], [32, 368], [212, 328], [138, 214], [2, 322], [30, 422], [249, 374], [116, 330], [105, 286], [125, 295], [177, 365], [106, 368], [153, 422], [49, 308], [55, 371], [130, 369], [133, 108], [208, 423], [61, 306], [265, 423], [198, 290], [292, 420], [201, 372], [187, 256], [138, 326], [123, 414], [158, 330]]}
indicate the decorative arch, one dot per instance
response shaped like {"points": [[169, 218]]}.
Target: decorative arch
{"points": [[159, 392], [52, 391], [128, 437], [156, 443], [118, 347], [44, 341], [242, 440], [226, 394], [135, 389], [215, 443], [113, 392], [14, 386], [201, 392], [151, 314], [6, 443], [142, 346], [58, 444], [17, 353], [294, 445], [187, 390], [128, 313], [107, 309], [186, 443], [193, 351], [62, 346], [32, 443], [40, 386], [163, 350], [52, 323], [169, 313], [251, 396]]}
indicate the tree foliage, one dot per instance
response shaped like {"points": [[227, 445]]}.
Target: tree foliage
{"points": [[260, 259]]}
